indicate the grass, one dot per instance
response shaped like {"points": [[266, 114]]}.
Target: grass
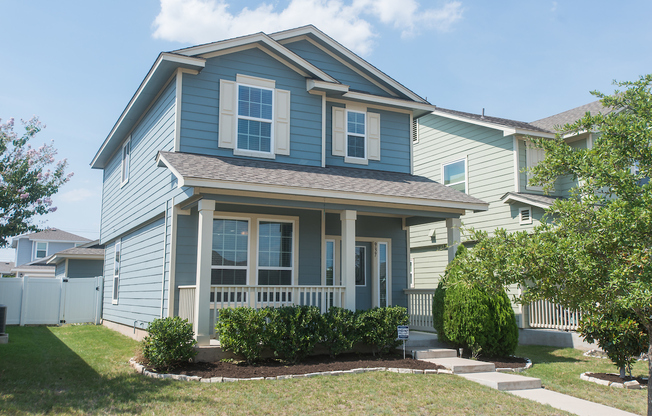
{"points": [[84, 370], [560, 369]]}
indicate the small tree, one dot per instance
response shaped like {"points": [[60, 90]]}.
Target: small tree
{"points": [[597, 248], [28, 178]]}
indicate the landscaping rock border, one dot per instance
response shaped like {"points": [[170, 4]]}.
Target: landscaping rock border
{"points": [[140, 369], [633, 385]]}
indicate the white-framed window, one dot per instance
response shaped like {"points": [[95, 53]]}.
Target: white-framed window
{"points": [[40, 249], [383, 273], [360, 266], [455, 175], [525, 215], [533, 156], [255, 119], [329, 264], [117, 257], [356, 136], [275, 252], [126, 161], [230, 254]]}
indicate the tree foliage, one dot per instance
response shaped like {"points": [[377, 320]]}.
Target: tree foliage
{"points": [[597, 245], [28, 178]]}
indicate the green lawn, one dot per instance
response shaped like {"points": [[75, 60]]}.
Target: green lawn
{"points": [[83, 369], [560, 369]]}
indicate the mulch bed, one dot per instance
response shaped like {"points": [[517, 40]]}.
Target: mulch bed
{"points": [[313, 364], [615, 378]]}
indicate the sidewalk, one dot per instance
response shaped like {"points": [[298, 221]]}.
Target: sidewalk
{"points": [[569, 403]]}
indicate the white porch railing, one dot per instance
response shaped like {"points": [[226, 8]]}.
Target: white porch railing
{"points": [[222, 297], [545, 314], [420, 308]]}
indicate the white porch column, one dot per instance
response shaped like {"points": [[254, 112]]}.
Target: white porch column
{"points": [[348, 218], [453, 230], [202, 324]]}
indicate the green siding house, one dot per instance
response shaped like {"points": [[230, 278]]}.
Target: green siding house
{"points": [[486, 157], [264, 170]]}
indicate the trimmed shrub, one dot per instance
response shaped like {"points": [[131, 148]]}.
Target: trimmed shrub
{"points": [[619, 333], [241, 330], [339, 332], [377, 327], [478, 322], [293, 331], [170, 343]]}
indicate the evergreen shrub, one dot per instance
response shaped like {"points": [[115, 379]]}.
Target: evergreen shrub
{"points": [[378, 327], [241, 330], [170, 343]]}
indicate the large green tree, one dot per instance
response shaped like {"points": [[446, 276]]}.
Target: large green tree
{"points": [[29, 176], [595, 250]]}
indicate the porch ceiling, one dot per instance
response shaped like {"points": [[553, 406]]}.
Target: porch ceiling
{"points": [[334, 183]]}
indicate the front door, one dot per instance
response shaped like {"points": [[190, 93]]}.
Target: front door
{"points": [[363, 275]]}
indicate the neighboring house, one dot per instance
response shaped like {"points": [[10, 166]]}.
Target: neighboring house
{"points": [[33, 249], [86, 260], [485, 157], [263, 170], [5, 269]]}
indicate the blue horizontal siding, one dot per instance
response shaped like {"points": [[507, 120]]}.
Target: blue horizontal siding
{"points": [[200, 106], [395, 142], [84, 268], [334, 68]]}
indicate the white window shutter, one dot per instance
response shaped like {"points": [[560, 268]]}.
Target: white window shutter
{"points": [[339, 132], [228, 115], [282, 122], [373, 136]]}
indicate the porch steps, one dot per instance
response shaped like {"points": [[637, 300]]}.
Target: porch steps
{"points": [[504, 381], [463, 365], [423, 353]]}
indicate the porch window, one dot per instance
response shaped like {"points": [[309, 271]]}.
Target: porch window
{"points": [[382, 274], [229, 260], [330, 262], [41, 250], [360, 266], [255, 118], [454, 175], [275, 245]]}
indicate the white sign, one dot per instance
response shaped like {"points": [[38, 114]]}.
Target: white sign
{"points": [[403, 332]]}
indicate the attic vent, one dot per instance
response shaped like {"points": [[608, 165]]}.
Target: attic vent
{"points": [[415, 130], [525, 215]]}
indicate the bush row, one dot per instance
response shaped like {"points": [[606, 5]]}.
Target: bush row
{"points": [[292, 332]]}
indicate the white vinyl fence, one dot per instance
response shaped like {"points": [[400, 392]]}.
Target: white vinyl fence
{"points": [[48, 301]]}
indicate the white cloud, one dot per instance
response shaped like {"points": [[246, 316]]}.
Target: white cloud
{"points": [[201, 21], [554, 7], [75, 195]]}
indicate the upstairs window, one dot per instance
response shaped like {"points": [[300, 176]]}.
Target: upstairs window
{"points": [[255, 110], [454, 175], [355, 135], [41, 250], [116, 271], [126, 160], [533, 156]]}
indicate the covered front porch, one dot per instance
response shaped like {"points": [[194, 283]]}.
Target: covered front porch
{"points": [[262, 234]]}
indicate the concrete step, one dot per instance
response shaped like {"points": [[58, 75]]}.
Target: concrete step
{"points": [[422, 353], [421, 340], [463, 365], [504, 381]]}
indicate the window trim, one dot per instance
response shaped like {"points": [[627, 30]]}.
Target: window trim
{"points": [[464, 159], [117, 249], [520, 216], [255, 153], [125, 167], [36, 250], [355, 159], [246, 268]]}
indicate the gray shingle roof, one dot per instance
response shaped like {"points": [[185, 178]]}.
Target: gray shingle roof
{"points": [[497, 120], [361, 181], [571, 116], [80, 251], [54, 234]]}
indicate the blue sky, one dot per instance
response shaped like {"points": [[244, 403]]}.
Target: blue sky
{"points": [[76, 64]]}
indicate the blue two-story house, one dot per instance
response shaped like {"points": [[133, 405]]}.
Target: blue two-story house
{"points": [[263, 170]]}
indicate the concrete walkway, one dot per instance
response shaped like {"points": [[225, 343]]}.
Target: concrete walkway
{"points": [[426, 345]]}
